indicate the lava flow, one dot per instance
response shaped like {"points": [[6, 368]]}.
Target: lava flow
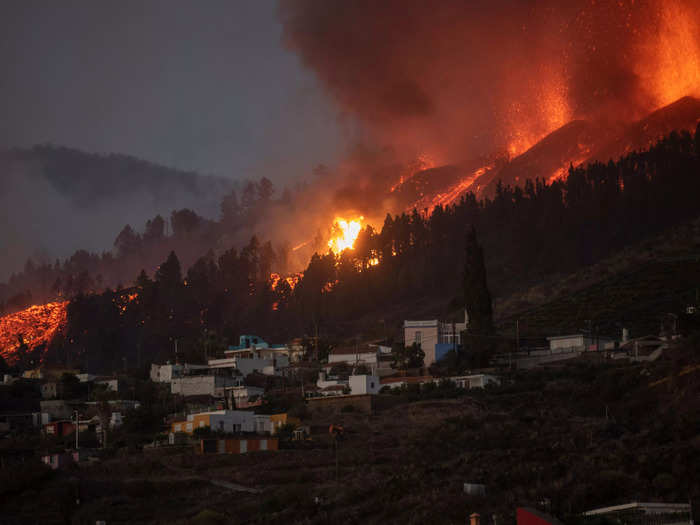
{"points": [[35, 325]]}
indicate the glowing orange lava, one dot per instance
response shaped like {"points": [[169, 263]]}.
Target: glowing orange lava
{"points": [[670, 60], [344, 234], [36, 325]]}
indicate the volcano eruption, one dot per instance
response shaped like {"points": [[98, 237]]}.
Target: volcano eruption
{"points": [[501, 90]]}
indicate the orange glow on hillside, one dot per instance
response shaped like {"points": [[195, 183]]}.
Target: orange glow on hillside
{"points": [[291, 279], [423, 162], [344, 234], [36, 325]]}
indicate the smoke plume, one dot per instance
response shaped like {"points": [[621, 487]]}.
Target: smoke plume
{"points": [[456, 79]]}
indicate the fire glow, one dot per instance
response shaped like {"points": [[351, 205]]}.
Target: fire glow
{"points": [[344, 234], [36, 325]]}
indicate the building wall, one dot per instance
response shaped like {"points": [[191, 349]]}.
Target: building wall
{"points": [[574, 341], [364, 384], [49, 390], [214, 386], [474, 380], [367, 358], [425, 333], [279, 420], [220, 420], [236, 446]]}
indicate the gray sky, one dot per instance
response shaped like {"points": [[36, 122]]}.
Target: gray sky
{"points": [[200, 85]]}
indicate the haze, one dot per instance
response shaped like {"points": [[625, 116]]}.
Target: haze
{"points": [[203, 87]]}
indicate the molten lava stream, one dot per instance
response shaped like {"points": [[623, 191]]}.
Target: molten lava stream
{"points": [[36, 325]]}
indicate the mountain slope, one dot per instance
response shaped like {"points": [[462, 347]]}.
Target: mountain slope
{"points": [[577, 142], [58, 200]]}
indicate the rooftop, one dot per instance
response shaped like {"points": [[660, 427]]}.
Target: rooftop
{"points": [[406, 379], [352, 351], [649, 508]]}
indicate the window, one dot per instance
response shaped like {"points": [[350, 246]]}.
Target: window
{"points": [[371, 385], [417, 337], [201, 424]]}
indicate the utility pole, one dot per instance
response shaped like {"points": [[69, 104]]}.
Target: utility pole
{"points": [[454, 337], [77, 428]]}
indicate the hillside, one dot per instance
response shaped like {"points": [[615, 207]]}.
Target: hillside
{"points": [[90, 180], [577, 143], [633, 288], [578, 436], [66, 200]]}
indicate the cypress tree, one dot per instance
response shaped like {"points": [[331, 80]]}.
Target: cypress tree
{"points": [[477, 297]]}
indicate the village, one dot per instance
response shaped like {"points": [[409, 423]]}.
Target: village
{"points": [[262, 398]]}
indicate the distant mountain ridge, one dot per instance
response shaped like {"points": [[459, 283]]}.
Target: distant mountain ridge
{"points": [[88, 178], [58, 200]]}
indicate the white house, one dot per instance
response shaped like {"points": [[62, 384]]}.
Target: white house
{"points": [[434, 337], [474, 381], [364, 384], [579, 343], [217, 420]]}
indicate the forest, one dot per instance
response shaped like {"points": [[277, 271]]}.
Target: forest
{"points": [[527, 233]]}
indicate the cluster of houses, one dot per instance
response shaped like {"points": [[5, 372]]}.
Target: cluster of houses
{"points": [[224, 394], [371, 372], [224, 380], [63, 407]]}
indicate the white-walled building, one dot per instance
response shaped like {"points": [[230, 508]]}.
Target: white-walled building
{"points": [[248, 365], [579, 343], [364, 384], [368, 357], [434, 337], [218, 420], [474, 381], [167, 372], [211, 385]]}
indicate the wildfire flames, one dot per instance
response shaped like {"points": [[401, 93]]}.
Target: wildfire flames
{"points": [[344, 234], [291, 280], [36, 325]]}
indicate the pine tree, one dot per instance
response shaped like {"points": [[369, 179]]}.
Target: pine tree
{"points": [[169, 274], [476, 292]]}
